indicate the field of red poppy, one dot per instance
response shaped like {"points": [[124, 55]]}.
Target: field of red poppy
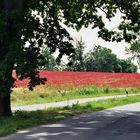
{"points": [[57, 78]]}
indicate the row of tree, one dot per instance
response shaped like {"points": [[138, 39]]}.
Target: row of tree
{"points": [[100, 59]]}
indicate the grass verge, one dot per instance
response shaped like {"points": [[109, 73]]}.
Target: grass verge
{"points": [[22, 119], [44, 94]]}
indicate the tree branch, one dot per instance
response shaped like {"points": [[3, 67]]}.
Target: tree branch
{"points": [[104, 12]]}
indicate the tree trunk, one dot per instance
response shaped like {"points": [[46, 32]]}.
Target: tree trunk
{"points": [[6, 62], [5, 106]]}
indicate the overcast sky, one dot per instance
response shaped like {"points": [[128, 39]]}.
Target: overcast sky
{"points": [[90, 37]]}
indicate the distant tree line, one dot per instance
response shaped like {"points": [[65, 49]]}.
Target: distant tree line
{"points": [[48, 62], [100, 59], [134, 51]]}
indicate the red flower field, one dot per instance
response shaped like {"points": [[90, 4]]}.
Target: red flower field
{"points": [[57, 78]]}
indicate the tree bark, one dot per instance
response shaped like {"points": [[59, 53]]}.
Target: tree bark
{"points": [[5, 103], [5, 106], [10, 5]]}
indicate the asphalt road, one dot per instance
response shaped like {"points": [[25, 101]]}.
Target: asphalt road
{"points": [[119, 123]]}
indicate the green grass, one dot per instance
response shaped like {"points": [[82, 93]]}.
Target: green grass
{"points": [[21, 96], [21, 119]]}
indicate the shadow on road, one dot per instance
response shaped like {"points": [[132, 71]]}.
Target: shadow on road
{"points": [[102, 125]]}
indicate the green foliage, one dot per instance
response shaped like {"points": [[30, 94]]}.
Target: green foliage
{"points": [[126, 66], [76, 17], [106, 90], [22, 119], [101, 60], [48, 62], [21, 25], [38, 22], [77, 62], [134, 51], [22, 96]]}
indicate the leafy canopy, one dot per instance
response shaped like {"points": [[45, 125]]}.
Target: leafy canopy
{"points": [[48, 62], [38, 22], [134, 51], [99, 59]]}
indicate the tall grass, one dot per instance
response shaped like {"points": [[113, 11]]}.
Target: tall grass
{"points": [[44, 94]]}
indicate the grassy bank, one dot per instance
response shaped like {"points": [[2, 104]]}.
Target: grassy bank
{"points": [[43, 94], [21, 119]]}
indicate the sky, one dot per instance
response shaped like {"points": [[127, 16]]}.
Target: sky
{"points": [[90, 37]]}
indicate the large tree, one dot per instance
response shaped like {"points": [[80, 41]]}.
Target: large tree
{"points": [[125, 66], [48, 62], [78, 60], [100, 59], [38, 22], [22, 21], [134, 51]]}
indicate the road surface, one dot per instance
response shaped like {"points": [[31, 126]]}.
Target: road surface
{"points": [[119, 123]]}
